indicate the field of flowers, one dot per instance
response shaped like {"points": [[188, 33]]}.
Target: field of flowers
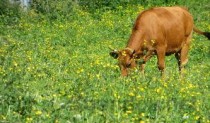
{"points": [[60, 71]]}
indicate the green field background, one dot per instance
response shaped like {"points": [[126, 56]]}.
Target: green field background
{"points": [[55, 66]]}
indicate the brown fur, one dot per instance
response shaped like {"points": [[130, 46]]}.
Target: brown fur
{"points": [[159, 31]]}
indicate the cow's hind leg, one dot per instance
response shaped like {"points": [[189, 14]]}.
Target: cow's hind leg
{"points": [[184, 53]]}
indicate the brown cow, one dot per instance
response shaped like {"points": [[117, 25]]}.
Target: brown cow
{"points": [[158, 31]]}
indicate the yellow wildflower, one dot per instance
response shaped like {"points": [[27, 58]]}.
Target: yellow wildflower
{"points": [[142, 121], [29, 119], [15, 64], [38, 112], [129, 112], [131, 94]]}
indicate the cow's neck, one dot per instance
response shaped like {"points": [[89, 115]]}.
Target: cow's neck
{"points": [[135, 42]]}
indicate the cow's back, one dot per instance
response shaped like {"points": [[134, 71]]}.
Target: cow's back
{"points": [[169, 26]]}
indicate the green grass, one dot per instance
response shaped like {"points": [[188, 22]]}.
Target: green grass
{"points": [[61, 71]]}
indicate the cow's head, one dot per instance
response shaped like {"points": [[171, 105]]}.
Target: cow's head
{"points": [[126, 59]]}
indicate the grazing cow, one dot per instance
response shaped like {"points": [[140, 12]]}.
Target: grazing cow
{"points": [[158, 31]]}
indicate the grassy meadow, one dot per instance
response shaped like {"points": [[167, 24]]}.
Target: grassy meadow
{"points": [[60, 71]]}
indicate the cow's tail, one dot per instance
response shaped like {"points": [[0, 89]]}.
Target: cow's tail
{"points": [[207, 34]]}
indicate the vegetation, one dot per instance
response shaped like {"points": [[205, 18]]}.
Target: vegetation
{"points": [[55, 67]]}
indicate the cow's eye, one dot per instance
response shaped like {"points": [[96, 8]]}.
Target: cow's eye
{"points": [[128, 65]]}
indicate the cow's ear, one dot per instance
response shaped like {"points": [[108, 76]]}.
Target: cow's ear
{"points": [[114, 54], [133, 53]]}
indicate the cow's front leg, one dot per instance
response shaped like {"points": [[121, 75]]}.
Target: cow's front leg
{"points": [[161, 60], [177, 55], [142, 66], [147, 56]]}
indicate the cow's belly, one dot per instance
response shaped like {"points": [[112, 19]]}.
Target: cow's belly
{"points": [[174, 47], [172, 51]]}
